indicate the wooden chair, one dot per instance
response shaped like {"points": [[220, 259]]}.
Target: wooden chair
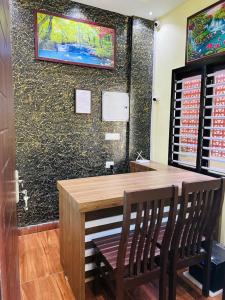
{"points": [[198, 217], [132, 258]]}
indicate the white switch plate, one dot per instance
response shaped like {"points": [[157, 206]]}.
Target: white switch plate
{"points": [[112, 136], [108, 164]]}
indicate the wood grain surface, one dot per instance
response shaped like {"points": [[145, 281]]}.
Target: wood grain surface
{"points": [[100, 192]]}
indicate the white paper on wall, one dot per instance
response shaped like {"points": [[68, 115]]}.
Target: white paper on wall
{"points": [[83, 101]]}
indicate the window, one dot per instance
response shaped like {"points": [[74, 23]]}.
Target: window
{"points": [[186, 121], [214, 123], [197, 127]]}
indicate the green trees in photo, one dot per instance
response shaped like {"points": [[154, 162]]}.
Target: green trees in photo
{"points": [[53, 30], [220, 14], [199, 23]]}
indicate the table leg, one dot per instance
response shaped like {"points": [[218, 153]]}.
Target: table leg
{"points": [[72, 244]]}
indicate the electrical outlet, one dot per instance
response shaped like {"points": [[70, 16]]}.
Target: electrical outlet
{"points": [[108, 164]]}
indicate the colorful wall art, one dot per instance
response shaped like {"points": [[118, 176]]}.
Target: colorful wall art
{"points": [[67, 40], [206, 33]]}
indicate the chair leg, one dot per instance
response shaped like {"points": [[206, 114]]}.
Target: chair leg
{"points": [[207, 270], [109, 296], [206, 280], [162, 287], [96, 286], [120, 295], [223, 289], [172, 284], [120, 292], [97, 279]]}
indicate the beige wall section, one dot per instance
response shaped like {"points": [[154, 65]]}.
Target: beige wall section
{"points": [[169, 53]]}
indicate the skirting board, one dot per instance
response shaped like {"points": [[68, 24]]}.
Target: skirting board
{"points": [[38, 228], [199, 285]]}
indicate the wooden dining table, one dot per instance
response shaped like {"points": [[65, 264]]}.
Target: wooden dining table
{"points": [[92, 207]]}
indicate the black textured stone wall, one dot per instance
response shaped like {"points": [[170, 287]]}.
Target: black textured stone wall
{"points": [[141, 87], [52, 142]]}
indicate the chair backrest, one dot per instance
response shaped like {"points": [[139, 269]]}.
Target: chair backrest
{"points": [[142, 221], [200, 208]]}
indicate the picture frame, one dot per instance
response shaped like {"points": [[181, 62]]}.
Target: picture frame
{"points": [[82, 101], [68, 40], [205, 37]]}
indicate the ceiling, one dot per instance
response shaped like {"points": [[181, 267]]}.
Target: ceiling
{"points": [[139, 8]]}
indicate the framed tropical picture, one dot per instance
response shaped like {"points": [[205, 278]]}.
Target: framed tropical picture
{"points": [[206, 33], [67, 40]]}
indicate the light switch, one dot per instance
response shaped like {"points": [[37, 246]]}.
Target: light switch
{"points": [[112, 136]]}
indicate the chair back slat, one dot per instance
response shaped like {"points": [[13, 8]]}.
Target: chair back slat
{"points": [[143, 235], [136, 236], [197, 204], [156, 232], [148, 205], [212, 210], [202, 219], [199, 213], [150, 233], [196, 230], [188, 221]]}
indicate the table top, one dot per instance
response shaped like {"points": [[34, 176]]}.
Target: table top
{"points": [[93, 193]]}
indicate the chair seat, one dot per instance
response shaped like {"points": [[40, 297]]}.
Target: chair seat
{"points": [[108, 246]]}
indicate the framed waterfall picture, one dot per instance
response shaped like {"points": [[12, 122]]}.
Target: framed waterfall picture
{"points": [[67, 40], [206, 33]]}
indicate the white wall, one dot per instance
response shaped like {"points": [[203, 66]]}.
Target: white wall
{"points": [[169, 53]]}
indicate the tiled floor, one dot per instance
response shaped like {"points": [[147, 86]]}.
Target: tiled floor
{"points": [[42, 277]]}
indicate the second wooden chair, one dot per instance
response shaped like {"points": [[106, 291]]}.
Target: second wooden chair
{"points": [[200, 209]]}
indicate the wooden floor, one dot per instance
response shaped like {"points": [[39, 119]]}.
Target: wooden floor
{"points": [[42, 277]]}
